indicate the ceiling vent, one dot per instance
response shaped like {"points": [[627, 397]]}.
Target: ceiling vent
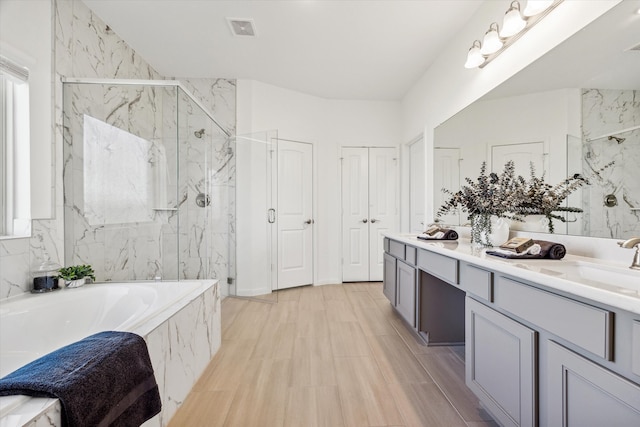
{"points": [[636, 47], [242, 27]]}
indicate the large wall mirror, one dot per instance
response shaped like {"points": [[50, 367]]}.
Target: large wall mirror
{"points": [[574, 110]]}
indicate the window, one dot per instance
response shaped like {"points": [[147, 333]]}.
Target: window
{"points": [[14, 149]]}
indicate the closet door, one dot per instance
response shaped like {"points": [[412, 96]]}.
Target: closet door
{"points": [[355, 214], [369, 207], [446, 174], [383, 205]]}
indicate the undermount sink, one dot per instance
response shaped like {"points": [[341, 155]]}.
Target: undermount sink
{"points": [[622, 280]]}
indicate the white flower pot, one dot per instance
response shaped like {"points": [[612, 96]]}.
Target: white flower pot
{"points": [[76, 283], [499, 232], [532, 223]]}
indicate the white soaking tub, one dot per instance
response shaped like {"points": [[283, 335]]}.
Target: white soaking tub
{"points": [[180, 321]]}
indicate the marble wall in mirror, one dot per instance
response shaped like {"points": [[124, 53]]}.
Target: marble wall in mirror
{"points": [[572, 111]]}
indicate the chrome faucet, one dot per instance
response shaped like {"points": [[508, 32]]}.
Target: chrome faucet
{"points": [[631, 243]]}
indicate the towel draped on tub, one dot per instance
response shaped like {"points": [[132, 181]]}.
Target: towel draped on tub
{"points": [[105, 379]]}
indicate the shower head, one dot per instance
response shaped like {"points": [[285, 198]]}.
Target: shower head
{"points": [[617, 139], [199, 133]]}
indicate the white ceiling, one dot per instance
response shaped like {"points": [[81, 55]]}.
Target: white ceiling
{"points": [[341, 49]]}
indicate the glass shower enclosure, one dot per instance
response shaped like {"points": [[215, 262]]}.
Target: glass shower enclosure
{"points": [[147, 177]]}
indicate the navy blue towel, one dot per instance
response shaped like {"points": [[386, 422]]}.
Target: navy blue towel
{"points": [[103, 380]]}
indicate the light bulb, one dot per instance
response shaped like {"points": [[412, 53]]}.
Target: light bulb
{"points": [[474, 57], [513, 22], [491, 42], [535, 7]]}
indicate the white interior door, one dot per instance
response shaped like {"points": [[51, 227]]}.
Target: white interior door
{"points": [[416, 186], [522, 156], [446, 174], [383, 205], [295, 214], [369, 207], [355, 214]]}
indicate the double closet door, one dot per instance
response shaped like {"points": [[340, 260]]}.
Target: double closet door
{"points": [[370, 200]]}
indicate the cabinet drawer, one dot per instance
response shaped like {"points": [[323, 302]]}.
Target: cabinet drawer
{"points": [[396, 249], [439, 265], [581, 324], [476, 281], [410, 255]]}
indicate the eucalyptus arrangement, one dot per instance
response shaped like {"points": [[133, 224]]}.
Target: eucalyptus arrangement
{"points": [[489, 195], [513, 197], [537, 197]]}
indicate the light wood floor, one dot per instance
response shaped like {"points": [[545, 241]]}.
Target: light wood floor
{"points": [[335, 355]]}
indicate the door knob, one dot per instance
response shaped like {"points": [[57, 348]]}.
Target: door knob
{"points": [[373, 221], [365, 220]]}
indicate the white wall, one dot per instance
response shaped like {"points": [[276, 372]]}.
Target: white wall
{"points": [[25, 37], [329, 125], [447, 87]]}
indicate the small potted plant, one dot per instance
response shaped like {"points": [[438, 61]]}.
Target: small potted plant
{"points": [[76, 275]]}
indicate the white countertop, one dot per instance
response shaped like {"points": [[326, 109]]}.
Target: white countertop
{"points": [[555, 274]]}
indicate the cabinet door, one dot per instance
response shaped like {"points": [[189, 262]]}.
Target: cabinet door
{"points": [[406, 293], [389, 283], [584, 394], [500, 364]]}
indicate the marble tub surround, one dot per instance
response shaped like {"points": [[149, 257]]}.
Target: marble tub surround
{"points": [[609, 112], [620, 297], [181, 338]]}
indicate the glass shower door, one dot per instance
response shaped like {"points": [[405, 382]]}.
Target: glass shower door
{"points": [[252, 271]]}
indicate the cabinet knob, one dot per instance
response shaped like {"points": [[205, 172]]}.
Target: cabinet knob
{"points": [[373, 221], [309, 221], [365, 220]]}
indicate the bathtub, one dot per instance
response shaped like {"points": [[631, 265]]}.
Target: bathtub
{"points": [[180, 322]]}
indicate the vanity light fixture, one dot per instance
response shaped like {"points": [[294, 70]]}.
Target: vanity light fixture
{"points": [[475, 58], [516, 22], [491, 42], [534, 7], [513, 22]]}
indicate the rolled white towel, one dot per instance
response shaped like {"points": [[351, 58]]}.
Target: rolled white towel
{"points": [[531, 250], [434, 236]]}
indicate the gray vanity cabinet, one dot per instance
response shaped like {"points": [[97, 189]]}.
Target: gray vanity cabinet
{"points": [[500, 359], [584, 394], [389, 284], [406, 292]]}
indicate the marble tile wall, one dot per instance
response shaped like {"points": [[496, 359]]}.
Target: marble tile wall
{"points": [[216, 179], [605, 112], [84, 46], [119, 171]]}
